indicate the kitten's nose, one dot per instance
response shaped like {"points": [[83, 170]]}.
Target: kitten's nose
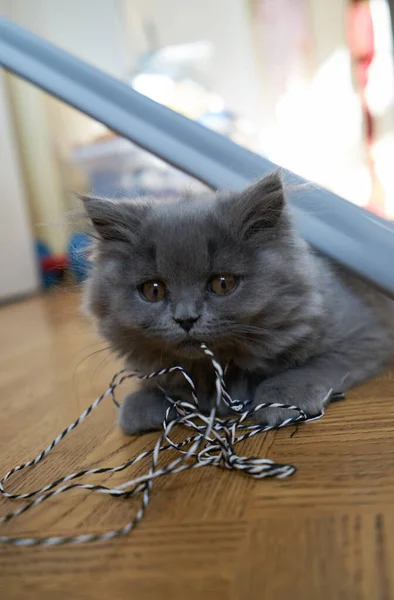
{"points": [[187, 324]]}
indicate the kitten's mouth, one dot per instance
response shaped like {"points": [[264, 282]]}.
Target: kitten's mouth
{"points": [[190, 346], [192, 343]]}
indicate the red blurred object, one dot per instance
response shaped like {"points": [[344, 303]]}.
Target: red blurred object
{"points": [[360, 34], [361, 41], [53, 263]]}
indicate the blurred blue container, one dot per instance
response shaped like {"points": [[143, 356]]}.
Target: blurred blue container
{"points": [[116, 168], [77, 253]]}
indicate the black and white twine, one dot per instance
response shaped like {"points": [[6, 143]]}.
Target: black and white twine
{"points": [[212, 443]]}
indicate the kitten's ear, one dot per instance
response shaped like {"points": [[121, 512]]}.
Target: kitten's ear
{"points": [[114, 220], [259, 208]]}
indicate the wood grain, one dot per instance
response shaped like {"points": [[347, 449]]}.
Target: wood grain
{"points": [[327, 533]]}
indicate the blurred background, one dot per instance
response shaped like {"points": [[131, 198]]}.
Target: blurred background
{"points": [[307, 83]]}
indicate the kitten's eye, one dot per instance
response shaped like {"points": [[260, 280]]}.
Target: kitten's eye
{"points": [[223, 284], [153, 291]]}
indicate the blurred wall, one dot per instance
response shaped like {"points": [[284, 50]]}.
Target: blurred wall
{"points": [[92, 30], [18, 272]]}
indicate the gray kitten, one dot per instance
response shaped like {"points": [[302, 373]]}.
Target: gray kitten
{"points": [[230, 270]]}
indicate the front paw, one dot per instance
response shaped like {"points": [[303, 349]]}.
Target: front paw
{"points": [[309, 396], [143, 411]]}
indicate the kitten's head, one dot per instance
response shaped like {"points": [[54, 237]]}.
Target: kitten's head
{"points": [[225, 269]]}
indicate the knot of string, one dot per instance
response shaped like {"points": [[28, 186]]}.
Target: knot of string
{"points": [[211, 444]]}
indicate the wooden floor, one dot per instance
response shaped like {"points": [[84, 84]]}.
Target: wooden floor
{"points": [[327, 533]]}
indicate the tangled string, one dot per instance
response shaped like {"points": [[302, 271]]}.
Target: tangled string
{"points": [[211, 444]]}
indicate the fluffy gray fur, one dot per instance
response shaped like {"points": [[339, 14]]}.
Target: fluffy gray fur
{"points": [[295, 326]]}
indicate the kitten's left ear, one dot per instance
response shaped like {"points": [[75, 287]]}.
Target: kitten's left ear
{"points": [[259, 208], [115, 220]]}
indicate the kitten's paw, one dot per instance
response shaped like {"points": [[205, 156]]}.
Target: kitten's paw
{"points": [[142, 411], [311, 397]]}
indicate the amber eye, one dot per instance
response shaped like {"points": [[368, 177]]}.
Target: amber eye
{"points": [[222, 284], [153, 291]]}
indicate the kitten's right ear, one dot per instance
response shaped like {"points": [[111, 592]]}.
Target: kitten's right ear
{"points": [[258, 211], [114, 220]]}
